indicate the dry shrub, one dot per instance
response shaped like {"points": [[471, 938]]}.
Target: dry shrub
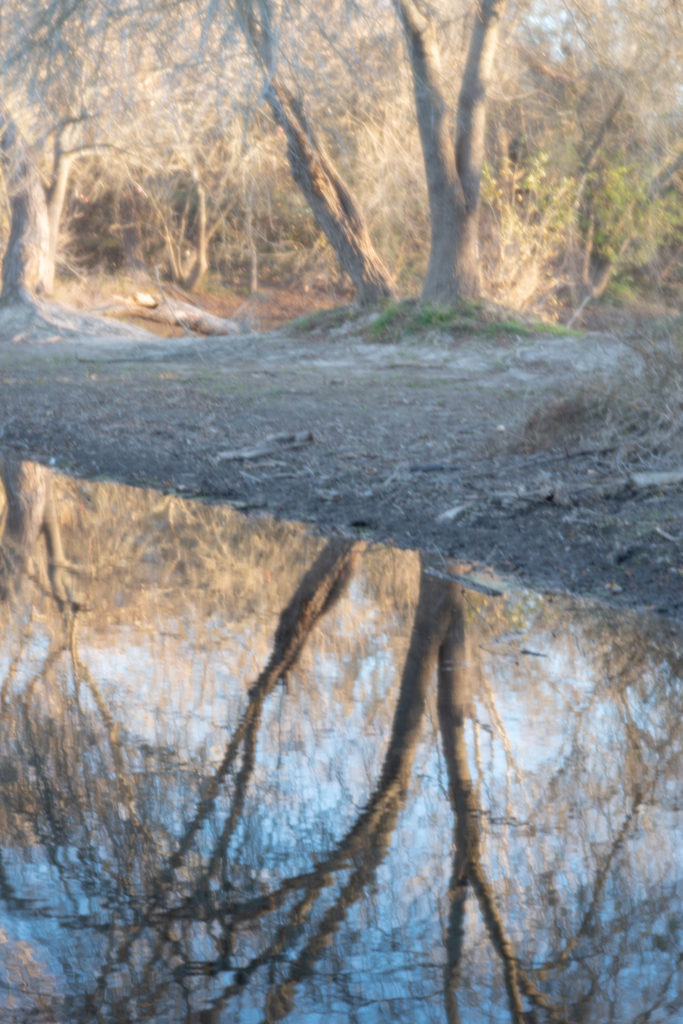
{"points": [[566, 420], [640, 413], [525, 227]]}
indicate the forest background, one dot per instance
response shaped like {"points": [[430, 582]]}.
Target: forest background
{"points": [[152, 137]]}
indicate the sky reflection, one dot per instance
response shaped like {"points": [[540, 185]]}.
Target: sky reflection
{"points": [[250, 774]]}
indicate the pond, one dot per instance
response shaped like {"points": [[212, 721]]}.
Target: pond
{"points": [[252, 774]]}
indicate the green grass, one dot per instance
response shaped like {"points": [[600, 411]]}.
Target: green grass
{"points": [[407, 318], [412, 318]]}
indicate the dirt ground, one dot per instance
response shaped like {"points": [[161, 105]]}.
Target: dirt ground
{"points": [[494, 447]]}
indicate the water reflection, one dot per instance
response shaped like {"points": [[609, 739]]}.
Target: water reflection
{"points": [[248, 774]]}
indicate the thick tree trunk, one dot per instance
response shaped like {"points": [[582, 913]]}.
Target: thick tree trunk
{"points": [[330, 199], [453, 168], [35, 214], [27, 267]]}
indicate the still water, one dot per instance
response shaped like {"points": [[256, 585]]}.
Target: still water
{"points": [[248, 774]]}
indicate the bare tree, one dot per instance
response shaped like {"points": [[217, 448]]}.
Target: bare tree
{"points": [[52, 79], [169, 89], [453, 165], [26, 267], [332, 202]]}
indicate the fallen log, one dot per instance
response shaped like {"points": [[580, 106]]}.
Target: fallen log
{"points": [[164, 310]]}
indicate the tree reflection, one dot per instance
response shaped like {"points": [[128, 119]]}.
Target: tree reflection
{"points": [[213, 872], [31, 514]]}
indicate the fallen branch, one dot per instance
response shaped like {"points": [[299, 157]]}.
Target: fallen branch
{"points": [[663, 479], [174, 313], [560, 493], [452, 513], [270, 445]]}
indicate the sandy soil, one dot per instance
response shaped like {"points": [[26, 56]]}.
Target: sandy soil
{"points": [[493, 448]]}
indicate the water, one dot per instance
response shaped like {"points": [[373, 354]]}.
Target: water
{"points": [[248, 774]]}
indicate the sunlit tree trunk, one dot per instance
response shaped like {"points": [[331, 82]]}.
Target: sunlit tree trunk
{"points": [[27, 267], [201, 262], [333, 205], [331, 201], [56, 194], [453, 167]]}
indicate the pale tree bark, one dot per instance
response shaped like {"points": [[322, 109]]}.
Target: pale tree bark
{"points": [[63, 160], [201, 260], [331, 201], [28, 268], [453, 165]]}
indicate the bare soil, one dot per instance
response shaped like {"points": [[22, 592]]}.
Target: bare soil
{"points": [[493, 447]]}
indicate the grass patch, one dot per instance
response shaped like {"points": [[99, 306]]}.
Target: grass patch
{"points": [[399, 319], [413, 318]]}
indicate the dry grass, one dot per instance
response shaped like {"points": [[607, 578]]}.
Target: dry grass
{"points": [[640, 413]]}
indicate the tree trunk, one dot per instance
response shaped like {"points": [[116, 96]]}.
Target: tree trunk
{"points": [[129, 220], [202, 263], [331, 201], [55, 205], [453, 168], [35, 212], [199, 263], [27, 268], [56, 193]]}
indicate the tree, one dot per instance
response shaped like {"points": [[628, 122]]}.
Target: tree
{"points": [[54, 87], [35, 211], [332, 202], [26, 268], [31, 513], [589, 158], [579, 180], [453, 163]]}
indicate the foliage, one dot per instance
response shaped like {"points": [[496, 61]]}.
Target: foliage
{"points": [[528, 213]]}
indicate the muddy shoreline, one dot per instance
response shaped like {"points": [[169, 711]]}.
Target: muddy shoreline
{"points": [[421, 443]]}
